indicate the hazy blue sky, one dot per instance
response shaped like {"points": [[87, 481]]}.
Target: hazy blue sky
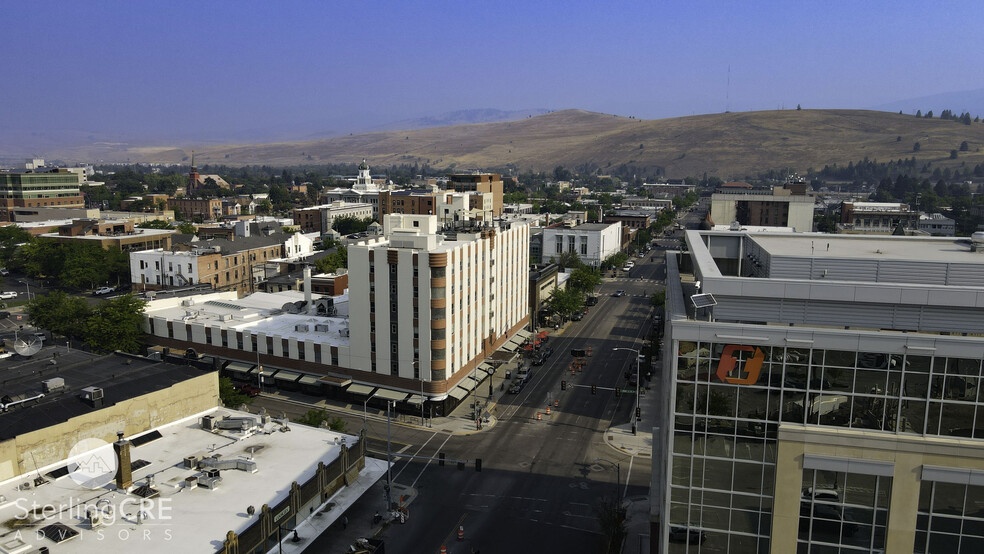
{"points": [[206, 69]]}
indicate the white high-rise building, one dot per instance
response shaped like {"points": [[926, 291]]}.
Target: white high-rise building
{"points": [[437, 303]]}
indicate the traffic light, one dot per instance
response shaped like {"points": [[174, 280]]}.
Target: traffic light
{"points": [[594, 389], [577, 352], [478, 464], [618, 392], [563, 385], [638, 413], [440, 459], [461, 465]]}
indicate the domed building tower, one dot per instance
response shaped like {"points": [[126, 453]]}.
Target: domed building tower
{"points": [[364, 181]]}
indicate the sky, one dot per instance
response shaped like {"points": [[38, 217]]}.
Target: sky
{"points": [[180, 71]]}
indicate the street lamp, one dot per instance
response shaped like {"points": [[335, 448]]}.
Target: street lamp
{"points": [[28, 283], [618, 477], [638, 411]]}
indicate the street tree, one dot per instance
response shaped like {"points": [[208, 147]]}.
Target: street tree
{"points": [[116, 324], [584, 279], [59, 312], [566, 301]]}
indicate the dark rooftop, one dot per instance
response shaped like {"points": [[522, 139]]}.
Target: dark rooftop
{"points": [[120, 376]]}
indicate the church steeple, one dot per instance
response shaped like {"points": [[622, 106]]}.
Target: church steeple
{"points": [[193, 176], [364, 180]]}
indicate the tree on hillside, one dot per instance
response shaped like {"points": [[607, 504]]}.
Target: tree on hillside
{"points": [[116, 324], [964, 146], [918, 113], [916, 147]]}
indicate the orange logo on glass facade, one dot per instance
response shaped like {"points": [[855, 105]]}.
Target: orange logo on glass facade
{"points": [[752, 366]]}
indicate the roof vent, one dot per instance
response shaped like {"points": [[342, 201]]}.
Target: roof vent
{"points": [[93, 396], [188, 302], [302, 328], [53, 384], [977, 242]]}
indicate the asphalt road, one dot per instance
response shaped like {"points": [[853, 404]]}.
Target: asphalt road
{"points": [[541, 483]]}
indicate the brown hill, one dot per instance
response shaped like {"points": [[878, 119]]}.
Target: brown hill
{"points": [[727, 145]]}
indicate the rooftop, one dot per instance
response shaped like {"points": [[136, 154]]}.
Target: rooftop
{"points": [[180, 518], [119, 375], [260, 312], [866, 247]]}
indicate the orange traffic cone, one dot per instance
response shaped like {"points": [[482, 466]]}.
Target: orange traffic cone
{"points": [[556, 403], [538, 416], [548, 409], [444, 549], [461, 532]]}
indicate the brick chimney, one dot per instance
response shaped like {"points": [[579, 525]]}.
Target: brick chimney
{"points": [[124, 475]]}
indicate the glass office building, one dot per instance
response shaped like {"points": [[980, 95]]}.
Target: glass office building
{"points": [[824, 400]]}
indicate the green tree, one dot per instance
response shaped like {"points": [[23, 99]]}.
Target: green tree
{"points": [[116, 324], [916, 147], [314, 418], [10, 237], [658, 298], [584, 279], [964, 146], [155, 224], [229, 396], [332, 261], [346, 225], [617, 259], [85, 265], [187, 228], [60, 313], [566, 302], [953, 154], [611, 518]]}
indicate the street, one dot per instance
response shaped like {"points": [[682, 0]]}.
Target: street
{"points": [[542, 481]]}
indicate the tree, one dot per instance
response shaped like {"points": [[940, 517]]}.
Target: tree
{"points": [[916, 147], [929, 114], [60, 313], [155, 224], [964, 146], [10, 237], [116, 324], [332, 261], [314, 418], [658, 298], [798, 107], [229, 396], [346, 225], [611, 518], [918, 113], [187, 228], [565, 301], [953, 154], [584, 279]]}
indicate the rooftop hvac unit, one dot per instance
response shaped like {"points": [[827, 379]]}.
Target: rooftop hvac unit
{"points": [[53, 384], [188, 302], [322, 328], [225, 317], [93, 396], [302, 327], [208, 423]]}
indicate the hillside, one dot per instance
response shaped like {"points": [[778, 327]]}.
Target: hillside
{"points": [[727, 145]]}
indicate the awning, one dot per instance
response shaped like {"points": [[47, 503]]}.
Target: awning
{"points": [[239, 366], [284, 375], [309, 380], [360, 389], [457, 393], [415, 399], [386, 394], [523, 334], [467, 384], [489, 370], [335, 381], [509, 345]]}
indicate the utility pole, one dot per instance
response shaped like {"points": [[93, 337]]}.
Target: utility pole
{"points": [[389, 464]]}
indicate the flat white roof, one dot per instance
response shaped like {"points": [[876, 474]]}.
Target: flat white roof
{"points": [[260, 312], [180, 519], [926, 249]]}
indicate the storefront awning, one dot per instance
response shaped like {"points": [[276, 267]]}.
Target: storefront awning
{"points": [[238, 368], [522, 335], [386, 394], [289, 376], [308, 380], [510, 345], [457, 393], [467, 383], [360, 389], [415, 399], [489, 370], [335, 381]]}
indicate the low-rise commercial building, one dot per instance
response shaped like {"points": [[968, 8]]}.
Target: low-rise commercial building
{"points": [[56, 188], [319, 219], [121, 234], [877, 217], [788, 206], [591, 242]]}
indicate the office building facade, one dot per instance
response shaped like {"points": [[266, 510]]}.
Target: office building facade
{"points": [[823, 395]]}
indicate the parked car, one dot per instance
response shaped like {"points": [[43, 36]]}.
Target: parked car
{"points": [[4, 272], [578, 316], [618, 293], [591, 301], [547, 352], [4, 315], [516, 388], [104, 290], [41, 336], [248, 390], [539, 359], [8, 295]]}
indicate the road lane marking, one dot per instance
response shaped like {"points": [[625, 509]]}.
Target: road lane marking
{"points": [[414, 484]]}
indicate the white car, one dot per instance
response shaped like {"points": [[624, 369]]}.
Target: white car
{"points": [[103, 290], [8, 295]]}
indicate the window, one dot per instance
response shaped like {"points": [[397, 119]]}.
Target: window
{"points": [[560, 245], [584, 246], [570, 244]]}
